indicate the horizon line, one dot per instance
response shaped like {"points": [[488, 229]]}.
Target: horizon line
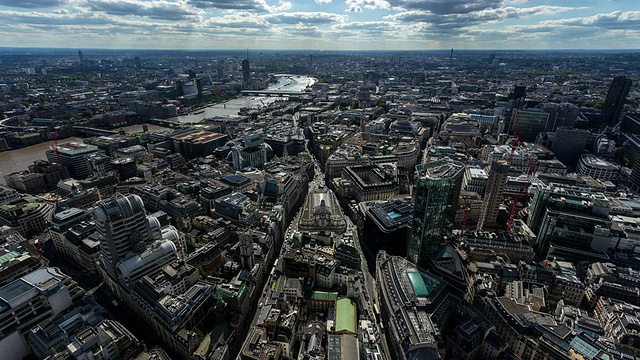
{"points": [[314, 50]]}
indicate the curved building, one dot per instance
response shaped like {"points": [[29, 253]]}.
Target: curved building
{"points": [[123, 231], [412, 303], [597, 168]]}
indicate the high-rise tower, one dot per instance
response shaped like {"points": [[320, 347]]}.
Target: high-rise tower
{"points": [[246, 250], [437, 186], [614, 102], [246, 71], [122, 228], [494, 192], [131, 245]]}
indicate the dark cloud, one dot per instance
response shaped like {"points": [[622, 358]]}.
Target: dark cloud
{"points": [[159, 10], [315, 18], [32, 4], [444, 7], [256, 5]]}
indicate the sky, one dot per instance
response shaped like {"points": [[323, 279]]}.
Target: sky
{"points": [[321, 24]]}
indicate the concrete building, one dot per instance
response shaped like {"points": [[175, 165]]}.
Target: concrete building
{"points": [[73, 234], [73, 158], [18, 259], [408, 298], [82, 333], [26, 182], [368, 182], [27, 301], [198, 143], [28, 215], [475, 180], [597, 168], [129, 249], [569, 144], [528, 123], [494, 193]]}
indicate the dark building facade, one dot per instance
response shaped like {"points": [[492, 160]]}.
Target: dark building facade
{"points": [[614, 102]]}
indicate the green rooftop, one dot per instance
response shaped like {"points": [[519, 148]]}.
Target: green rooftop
{"points": [[420, 286], [324, 295], [345, 316], [9, 256]]}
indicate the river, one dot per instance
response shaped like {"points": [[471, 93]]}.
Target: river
{"points": [[20, 159], [285, 82]]}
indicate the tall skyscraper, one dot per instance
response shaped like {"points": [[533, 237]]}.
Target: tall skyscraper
{"points": [[246, 250], [81, 58], [131, 245], [494, 192], [437, 185], [122, 228], [616, 96], [246, 71]]}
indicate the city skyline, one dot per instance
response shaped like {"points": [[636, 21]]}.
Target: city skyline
{"points": [[321, 25]]}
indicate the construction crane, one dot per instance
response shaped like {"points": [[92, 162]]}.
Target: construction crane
{"points": [[65, 175], [516, 198], [467, 208]]}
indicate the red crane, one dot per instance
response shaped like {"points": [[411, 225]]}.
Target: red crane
{"points": [[467, 208], [55, 149]]}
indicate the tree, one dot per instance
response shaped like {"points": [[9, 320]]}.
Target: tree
{"points": [[87, 114]]}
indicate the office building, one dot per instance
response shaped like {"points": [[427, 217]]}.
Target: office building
{"points": [[26, 182], [569, 144], [82, 333], [437, 186], [409, 298], [614, 102], [27, 214], [384, 224], [494, 193], [597, 168], [246, 71], [369, 182], [25, 302], [198, 143], [63, 220], [237, 207], [99, 164], [129, 249], [635, 175], [571, 223], [528, 123], [73, 157], [18, 258], [475, 180]]}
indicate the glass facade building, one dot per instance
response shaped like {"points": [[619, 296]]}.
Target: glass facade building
{"points": [[437, 186]]}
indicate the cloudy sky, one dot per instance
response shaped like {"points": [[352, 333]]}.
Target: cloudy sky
{"points": [[321, 24]]}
